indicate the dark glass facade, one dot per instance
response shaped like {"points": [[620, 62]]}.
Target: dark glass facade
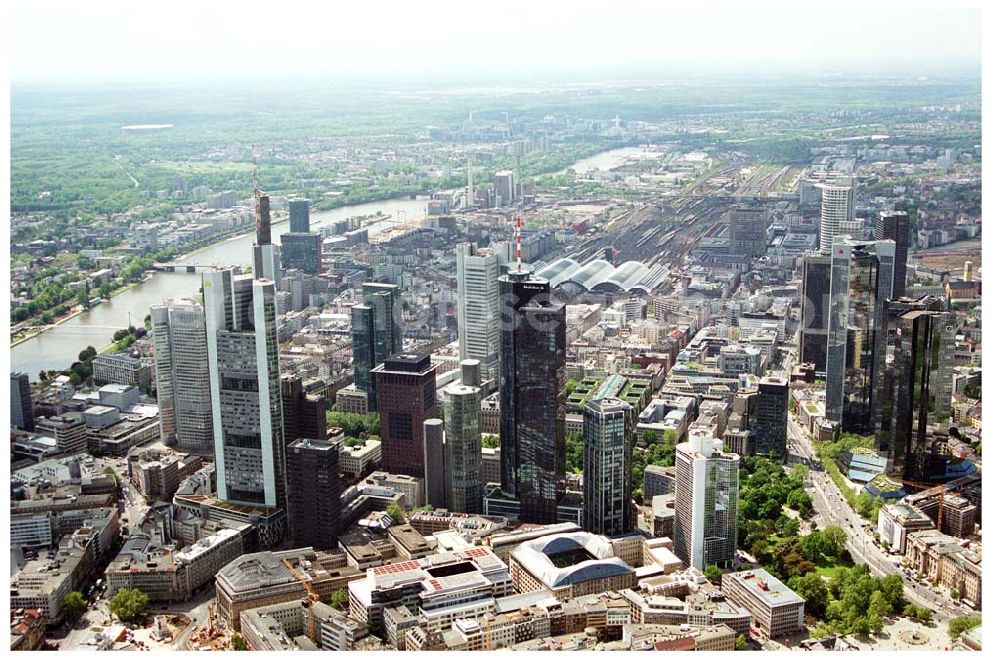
{"points": [[302, 251], [815, 308], [607, 466], [304, 414], [376, 333], [860, 287], [771, 415], [314, 493], [298, 215], [532, 397], [916, 387], [895, 226]]}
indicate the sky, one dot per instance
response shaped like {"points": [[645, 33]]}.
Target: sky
{"points": [[110, 40]]}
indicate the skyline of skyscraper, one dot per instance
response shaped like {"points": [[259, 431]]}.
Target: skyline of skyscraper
{"points": [[815, 326], [183, 387], [916, 382], [607, 466], [532, 395], [895, 226], [241, 328], [771, 417], [463, 442], [861, 276], [407, 395], [314, 492], [298, 216], [478, 272], [706, 505], [21, 415], [836, 208], [376, 333]]}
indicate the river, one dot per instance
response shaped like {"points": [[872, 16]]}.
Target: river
{"points": [[608, 160], [57, 348]]}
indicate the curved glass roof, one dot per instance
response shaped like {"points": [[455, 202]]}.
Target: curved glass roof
{"points": [[559, 271]]}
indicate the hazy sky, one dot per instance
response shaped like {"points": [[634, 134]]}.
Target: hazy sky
{"points": [[111, 40]]}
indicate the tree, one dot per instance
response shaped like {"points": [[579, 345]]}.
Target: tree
{"points": [[74, 605], [491, 441], [394, 510], [813, 590], [129, 605], [741, 643], [239, 644], [960, 624], [713, 574], [339, 598]]}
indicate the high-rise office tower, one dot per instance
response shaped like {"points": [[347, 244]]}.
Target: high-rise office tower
{"points": [[266, 256], [22, 415], [298, 215], [706, 507], [304, 414], [463, 442], [376, 333], [241, 327], [895, 226], [815, 310], [916, 388], [435, 471], [302, 251], [771, 417], [314, 492], [607, 466], [407, 395], [479, 306], [470, 189], [532, 396], [183, 383], [861, 275], [837, 207], [748, 229]]}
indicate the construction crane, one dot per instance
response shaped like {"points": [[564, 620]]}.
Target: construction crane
{"points": [[311, 597], [937, 490]]}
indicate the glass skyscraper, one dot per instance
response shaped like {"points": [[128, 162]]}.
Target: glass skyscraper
{"points": [[241, 329], [916, 387], [706, 507], [376, 333], [607, 466], [532, 396], [861, 275]]}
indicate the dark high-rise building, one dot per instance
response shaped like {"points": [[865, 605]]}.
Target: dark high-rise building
{"points": [[771, 417], [22, 415], [407, 396], [532, 396], [607, 466], [916, 383], [314, 492], [302, 251], [748, 229], [860, 288], [304, 414], [298, 215], [266, 257], [435, 471], [895, 226], [815, 310], [376, 333]]}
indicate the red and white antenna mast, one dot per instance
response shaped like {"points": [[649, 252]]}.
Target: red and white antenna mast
{"points": [[518, 239]]}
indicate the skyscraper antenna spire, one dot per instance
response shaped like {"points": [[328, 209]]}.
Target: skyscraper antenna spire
{"points": [[518, 243]]}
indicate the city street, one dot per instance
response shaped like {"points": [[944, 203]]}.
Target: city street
{"points": [[832, 509]]}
